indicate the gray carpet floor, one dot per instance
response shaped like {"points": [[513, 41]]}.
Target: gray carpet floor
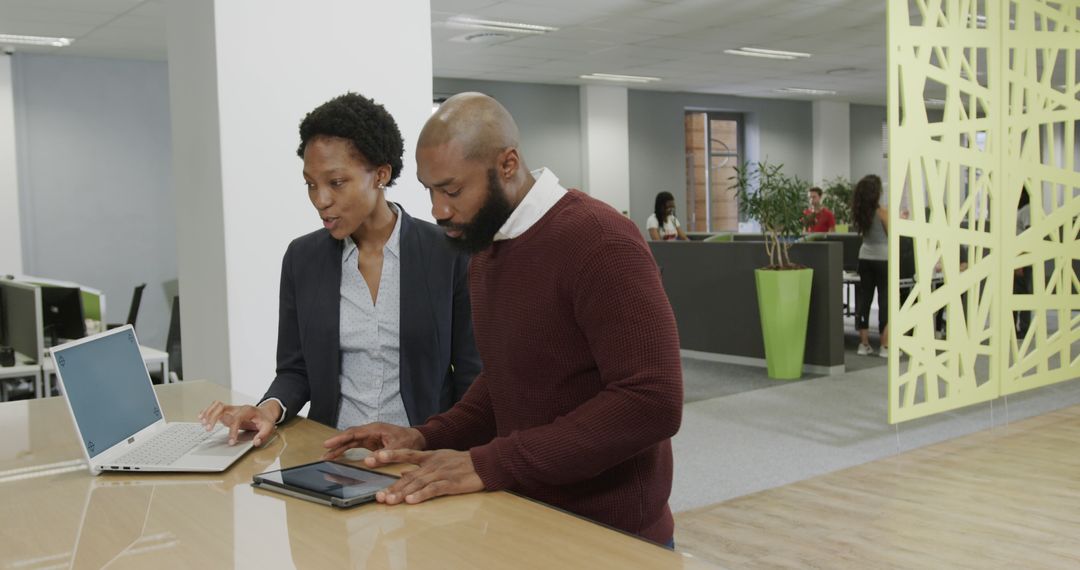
{"points": [[744, 433], [705, 380]]}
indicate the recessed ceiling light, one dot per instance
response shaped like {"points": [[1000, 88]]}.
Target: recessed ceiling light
{"points": [[805, 91], [767, 53], [478, 24], [753, 54], [621, 78], [775, 52], [35, 40]]}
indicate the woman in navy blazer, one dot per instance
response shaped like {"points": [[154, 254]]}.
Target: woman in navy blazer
{"points": [[352, 150]]}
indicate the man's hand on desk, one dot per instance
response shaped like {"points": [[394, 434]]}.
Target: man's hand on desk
{"points": [[262, 419], [442, 472], [374, 436]]}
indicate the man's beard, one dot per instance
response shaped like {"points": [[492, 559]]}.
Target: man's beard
{"points": [[479, 233]]}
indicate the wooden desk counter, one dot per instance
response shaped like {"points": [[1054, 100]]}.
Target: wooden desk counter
{"points": [[54, 514]]}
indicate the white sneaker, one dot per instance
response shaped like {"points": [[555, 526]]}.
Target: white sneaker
{"points": [[864, 350], [884, 352]]}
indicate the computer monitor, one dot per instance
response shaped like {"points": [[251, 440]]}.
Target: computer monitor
{"points": [[62, 314], [21, 319]]}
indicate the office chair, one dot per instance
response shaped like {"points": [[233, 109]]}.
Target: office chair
{"points": [[133, 312], [172, 343]]}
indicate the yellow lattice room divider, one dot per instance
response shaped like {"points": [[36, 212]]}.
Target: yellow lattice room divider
{"points": [[983, 109]]}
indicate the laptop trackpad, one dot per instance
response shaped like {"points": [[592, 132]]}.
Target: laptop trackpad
{"points": [[218, 444]]}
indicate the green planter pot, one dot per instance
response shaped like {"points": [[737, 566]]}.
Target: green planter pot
{"points": [[784, 304], [842, 228]]}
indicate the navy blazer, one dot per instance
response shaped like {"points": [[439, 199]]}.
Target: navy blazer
{"points": [[438, 353]]}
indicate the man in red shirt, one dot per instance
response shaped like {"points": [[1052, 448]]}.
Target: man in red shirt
{"points": [[581, 386], [822, 219]]}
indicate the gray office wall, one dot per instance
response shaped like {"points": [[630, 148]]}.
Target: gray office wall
{"points": [[866, 152], [775, 130], [548, 116], [94, 151]]}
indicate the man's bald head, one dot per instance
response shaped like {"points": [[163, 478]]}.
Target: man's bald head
{"points": [[467, 157], [479, 124]]}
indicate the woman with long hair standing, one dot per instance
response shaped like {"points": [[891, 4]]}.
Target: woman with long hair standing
{"points": [[872, 222]]}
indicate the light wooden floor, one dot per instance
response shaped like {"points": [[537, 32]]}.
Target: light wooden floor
{"points": [[1006, 498]]}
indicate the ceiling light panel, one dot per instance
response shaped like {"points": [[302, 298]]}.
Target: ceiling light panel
{"points": [[468, 22], [756, 54], [620, 78], [791, 54], [805, 91], [35, 40]]}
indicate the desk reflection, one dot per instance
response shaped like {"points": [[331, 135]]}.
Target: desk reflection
{"points": [[186, 520], [114, 526], [377, 536], [54, 514]]}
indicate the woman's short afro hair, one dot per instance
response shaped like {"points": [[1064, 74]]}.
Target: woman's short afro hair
{"points": [[373, 132]]}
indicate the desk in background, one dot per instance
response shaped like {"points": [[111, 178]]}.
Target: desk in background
{"points": [[711, 287], [852, 280], [56, 514], [21, 371]]}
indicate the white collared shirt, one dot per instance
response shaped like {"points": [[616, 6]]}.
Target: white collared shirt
{"points": [[370, 339], [546, 191]]}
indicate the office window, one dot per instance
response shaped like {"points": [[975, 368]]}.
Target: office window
{"points": [[713, 151]]}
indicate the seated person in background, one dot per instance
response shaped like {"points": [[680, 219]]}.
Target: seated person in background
{"points": [[375, 320], [819, 219], [664, 210]]}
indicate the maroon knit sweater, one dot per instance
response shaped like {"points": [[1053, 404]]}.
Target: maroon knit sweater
{"points": [[581, 388]]}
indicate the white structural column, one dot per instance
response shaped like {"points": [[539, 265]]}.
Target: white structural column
{"points": [[10, 238], [242, 75], [605, 144], [832, 140]]}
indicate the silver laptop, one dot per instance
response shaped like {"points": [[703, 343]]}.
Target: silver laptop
{"points": [[118, 417]]}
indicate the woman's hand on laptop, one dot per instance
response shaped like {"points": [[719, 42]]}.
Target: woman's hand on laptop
{"points": [[374, 436], [262, 418]]}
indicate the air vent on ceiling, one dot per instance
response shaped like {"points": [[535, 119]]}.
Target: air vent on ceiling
{"points": [[845, 71], [482, 38]]}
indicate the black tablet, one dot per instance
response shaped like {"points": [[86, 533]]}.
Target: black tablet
{"points": [[326, 482]]}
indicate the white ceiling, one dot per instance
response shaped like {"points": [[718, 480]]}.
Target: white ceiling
{"points": [[680, 41]]}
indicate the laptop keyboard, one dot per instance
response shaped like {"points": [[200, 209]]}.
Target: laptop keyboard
{"points": [[166, 447]]}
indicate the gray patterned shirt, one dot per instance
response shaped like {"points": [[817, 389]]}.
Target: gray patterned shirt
{"points": [[370, 339]]}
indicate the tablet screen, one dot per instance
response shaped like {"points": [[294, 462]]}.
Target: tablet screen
{"points": [[333, 479]]}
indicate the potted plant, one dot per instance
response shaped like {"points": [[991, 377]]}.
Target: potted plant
{"points": [[777, 202], [837, 198]]}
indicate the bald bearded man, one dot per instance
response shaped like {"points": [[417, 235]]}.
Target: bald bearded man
{"points": [[581, 386]]}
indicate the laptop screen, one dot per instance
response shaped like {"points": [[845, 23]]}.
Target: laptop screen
{"points": [[109, 390]]}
